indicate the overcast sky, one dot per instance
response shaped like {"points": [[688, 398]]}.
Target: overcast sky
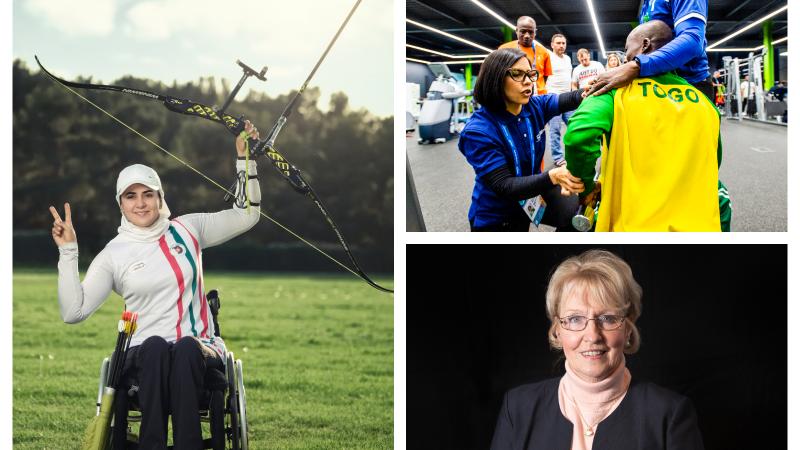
{"points": [[181, 40]]}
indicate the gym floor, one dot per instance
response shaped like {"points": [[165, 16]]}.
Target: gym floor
{"points": [[753, 168]]}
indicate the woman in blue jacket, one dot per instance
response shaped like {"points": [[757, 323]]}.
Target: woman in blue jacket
{"points": [[504, 141]]}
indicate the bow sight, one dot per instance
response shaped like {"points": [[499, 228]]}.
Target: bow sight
{"points": [[248, 72]]}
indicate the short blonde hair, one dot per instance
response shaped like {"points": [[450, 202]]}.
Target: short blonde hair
{"points": [[583, 50], [606, 278]]}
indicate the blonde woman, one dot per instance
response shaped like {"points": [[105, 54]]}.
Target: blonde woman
{"points": [[613, 61], [593, 303]]}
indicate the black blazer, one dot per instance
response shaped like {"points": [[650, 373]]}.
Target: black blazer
{"points": [[648, 418]]}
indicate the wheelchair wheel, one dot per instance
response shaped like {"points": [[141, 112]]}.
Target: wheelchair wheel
{"points": [[242, 404], [233, 403]]}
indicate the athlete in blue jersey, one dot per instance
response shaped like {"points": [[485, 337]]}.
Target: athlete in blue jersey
{"points": [[685, 54]]}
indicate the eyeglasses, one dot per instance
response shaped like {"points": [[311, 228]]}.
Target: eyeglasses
{"points": [[605, 322], [519, 74]]}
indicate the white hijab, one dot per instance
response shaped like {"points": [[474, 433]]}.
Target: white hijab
{"points": [[141, 174]]}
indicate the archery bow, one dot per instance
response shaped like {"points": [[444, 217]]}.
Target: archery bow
{"points": [[235, 125]]}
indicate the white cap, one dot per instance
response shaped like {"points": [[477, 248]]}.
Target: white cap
{"points": [[138, 174]]}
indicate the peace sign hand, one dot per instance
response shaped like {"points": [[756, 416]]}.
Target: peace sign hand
{"points": [[63, 232]]}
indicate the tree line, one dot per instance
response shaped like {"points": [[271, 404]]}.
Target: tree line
{"points": [[66, 150]]}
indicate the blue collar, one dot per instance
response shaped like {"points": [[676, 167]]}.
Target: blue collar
{"points": [[507, 117]]}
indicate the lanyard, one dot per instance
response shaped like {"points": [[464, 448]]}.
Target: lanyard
{"points": [[533, 45], [511, 144]]}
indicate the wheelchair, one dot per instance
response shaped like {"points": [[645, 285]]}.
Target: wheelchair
{"points": [[223, 405]]}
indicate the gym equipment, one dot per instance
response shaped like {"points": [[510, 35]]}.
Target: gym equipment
{"points": [[444, 107], [760, 107]]}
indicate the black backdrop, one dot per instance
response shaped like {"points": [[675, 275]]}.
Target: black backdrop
{"points": [[713, 326]]}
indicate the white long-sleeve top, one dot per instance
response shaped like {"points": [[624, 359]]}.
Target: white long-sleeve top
{"points": [[162, 281]]}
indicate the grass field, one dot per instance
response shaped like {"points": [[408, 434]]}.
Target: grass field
{"points": [[317, 354]]}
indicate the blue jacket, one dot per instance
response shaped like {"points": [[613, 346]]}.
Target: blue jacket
{"points": [[486, 148], [686, 53]]}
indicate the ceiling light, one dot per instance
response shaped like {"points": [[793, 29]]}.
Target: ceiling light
{"points": [[773, 43], [417, 61], [596, 28], [736, 33], [737, 49], [475, 61], [430, 51], [494, 14], [743, 49], [451, 36], [444, 54]]}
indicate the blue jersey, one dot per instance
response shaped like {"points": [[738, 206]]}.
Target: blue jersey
{"points": [[492, 140], [686, 54]]}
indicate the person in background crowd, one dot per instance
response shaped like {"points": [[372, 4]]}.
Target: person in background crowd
{"points": [[613, 61], [747, 90], [526, 35], [719, 89], [778, 91], [559, 83], [585, 72]]}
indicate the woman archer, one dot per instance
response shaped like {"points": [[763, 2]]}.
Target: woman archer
{"points": [[155, 264]]}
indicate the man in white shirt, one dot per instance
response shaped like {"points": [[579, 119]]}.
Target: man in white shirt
{"points": [[586, 71], [747, 90], [559, 83]]}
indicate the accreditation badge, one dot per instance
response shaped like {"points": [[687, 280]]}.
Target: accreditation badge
{"points": [[534, 209]]}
